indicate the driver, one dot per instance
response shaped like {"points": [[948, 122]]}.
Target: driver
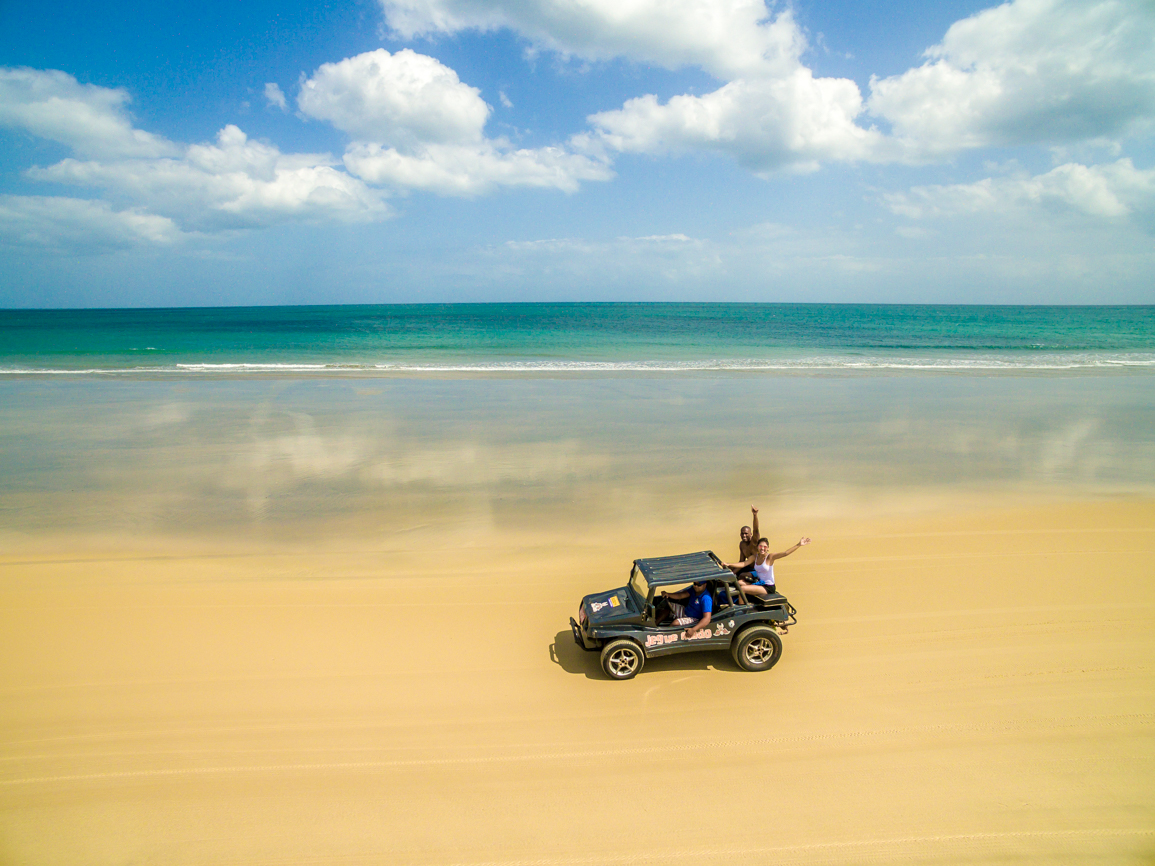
{"points": [[696, 611]]}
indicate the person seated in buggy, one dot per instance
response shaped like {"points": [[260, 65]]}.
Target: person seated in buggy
{"points": [[761, 582], [693, 607]]}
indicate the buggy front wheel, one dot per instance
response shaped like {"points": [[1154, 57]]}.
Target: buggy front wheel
{"points": [[622, 659]]}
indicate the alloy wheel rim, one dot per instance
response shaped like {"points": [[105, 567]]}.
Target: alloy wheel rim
{"points": [[623, 662], [759, 651]]}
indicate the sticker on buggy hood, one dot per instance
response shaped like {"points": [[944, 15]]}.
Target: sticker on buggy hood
{"points": [[611, 604]]}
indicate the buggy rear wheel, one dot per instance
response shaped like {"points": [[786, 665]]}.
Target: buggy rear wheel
{"points": [[757, 648], [622, 659]]}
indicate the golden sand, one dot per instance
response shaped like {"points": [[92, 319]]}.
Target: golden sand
{"points": [[970, 685]]}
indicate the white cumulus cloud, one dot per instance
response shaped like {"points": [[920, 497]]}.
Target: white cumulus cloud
{"points": [[794, 122], [275, 97], [155, 189], [472, 170], [403, 99], [59, 222], [1025, 72], [728, 38], [232, 183], [1112, 191], [416, 125], [91, 120], [771, 114]]}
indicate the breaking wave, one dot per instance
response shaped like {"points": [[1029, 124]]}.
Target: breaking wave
{"points": [[978, 363]]}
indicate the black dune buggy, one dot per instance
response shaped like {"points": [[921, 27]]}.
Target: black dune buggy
{"points": [[627, 624]]}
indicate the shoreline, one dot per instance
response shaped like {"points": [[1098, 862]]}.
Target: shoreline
{"points": [[584, 370]]}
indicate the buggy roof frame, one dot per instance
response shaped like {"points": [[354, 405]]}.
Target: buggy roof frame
{"points": [[684, 568]]}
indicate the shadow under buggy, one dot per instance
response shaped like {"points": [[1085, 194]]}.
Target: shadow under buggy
{"points": [[630, 624]]}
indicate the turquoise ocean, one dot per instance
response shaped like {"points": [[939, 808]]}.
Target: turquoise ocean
{"points": [[574, 337], [298, 421]]}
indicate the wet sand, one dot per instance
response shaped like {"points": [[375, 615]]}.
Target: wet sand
{"points": [[969, 682]]}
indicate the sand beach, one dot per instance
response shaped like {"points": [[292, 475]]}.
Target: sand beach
{"points": [[939, 702]]}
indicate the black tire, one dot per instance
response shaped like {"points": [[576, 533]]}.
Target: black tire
{"points": [[622, 659], [758, 648]]}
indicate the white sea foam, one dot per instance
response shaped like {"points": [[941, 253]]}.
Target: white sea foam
{"points": [[226, 368], [818, 363], [185, 368]]}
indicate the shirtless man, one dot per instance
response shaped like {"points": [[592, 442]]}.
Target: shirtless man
{"points": [[747, 547]]}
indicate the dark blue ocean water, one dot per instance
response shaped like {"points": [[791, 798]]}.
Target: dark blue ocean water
{"points": [[574, 337]]}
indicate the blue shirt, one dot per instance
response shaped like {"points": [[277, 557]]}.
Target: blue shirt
{"points": [[699, 605]]}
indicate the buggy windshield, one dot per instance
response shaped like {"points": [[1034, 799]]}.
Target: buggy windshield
{"points": [[640, 587]]}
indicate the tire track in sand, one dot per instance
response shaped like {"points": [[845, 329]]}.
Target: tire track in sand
{"points": [[1142, 720]]}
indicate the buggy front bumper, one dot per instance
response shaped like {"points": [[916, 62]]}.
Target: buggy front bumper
{"points": [[579, 636]]}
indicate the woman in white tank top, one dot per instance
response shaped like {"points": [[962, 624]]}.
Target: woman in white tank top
{"points": [[763, 560]]}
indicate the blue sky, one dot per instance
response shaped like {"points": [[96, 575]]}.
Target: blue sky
{"points": [[493, 150]]}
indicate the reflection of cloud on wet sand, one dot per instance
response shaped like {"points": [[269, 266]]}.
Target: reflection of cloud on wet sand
{"points": [[310, 456], [977, 441], [472, 464], [357, 463], [300, 454], [1065, 450], [275, 463], [1029, 447], [303, 454], [1054, 452], [166, 415]]}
